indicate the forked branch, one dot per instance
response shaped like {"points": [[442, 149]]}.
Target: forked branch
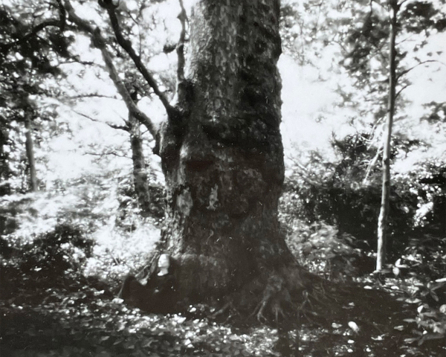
{"points": [[99, 42], [127, 46]]}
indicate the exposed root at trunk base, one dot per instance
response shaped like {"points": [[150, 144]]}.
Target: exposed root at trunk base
{"points": [[277, 297]]}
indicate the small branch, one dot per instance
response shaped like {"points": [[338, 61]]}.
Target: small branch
{"points": [[90, 95], [127, 46], [99, 42], [371, 165], [119, 127], [74, 60], [413, 67], [373, 131], [107, 153], [401, 3], [113, 126], [403, 88]]}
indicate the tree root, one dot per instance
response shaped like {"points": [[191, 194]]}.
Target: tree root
{"points": [[276, 296]]}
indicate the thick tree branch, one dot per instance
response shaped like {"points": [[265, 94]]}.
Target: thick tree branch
{"points": [[99, 42], [62, 14], [183, 89], [127, 46], [180, 47]]}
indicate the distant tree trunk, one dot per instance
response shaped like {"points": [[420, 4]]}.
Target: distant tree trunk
{"points": [[384, 210], [5, 171], [223, 160], [30, 153], [139, 166]]}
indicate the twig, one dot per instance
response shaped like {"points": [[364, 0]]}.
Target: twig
{"points": [[91, 95], [371, 165], [109, 153], [403, 88], [74, 60], [413, 67], [113, 126]]}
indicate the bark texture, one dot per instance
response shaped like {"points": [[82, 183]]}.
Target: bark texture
{"points": [[223, 161]]}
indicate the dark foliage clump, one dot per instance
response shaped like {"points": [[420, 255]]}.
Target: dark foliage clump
{"points": [[48, 255], [51, 259], [346, 193]]}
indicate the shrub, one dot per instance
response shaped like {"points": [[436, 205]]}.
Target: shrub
{"points": [[48, 259]]}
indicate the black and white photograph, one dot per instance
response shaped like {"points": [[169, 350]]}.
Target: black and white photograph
{"points": [[212, 178]]}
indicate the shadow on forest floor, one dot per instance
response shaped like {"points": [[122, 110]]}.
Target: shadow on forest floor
{"points": [[85, 321]]}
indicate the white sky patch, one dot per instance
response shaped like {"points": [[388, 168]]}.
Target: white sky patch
{"points": [[303, 99], [67, 163], [162, 62], [82, 46], [154, 109], [429, 79], [74, 156], [85, 12]]}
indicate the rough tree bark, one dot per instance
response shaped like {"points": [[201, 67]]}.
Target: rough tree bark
{"points": [[223, 161], [222, 157]]}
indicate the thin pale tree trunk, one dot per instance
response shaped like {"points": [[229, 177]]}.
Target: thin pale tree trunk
{"points": [[385, 194]]}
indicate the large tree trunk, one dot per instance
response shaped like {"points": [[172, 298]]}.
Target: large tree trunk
{"points": [[385, 195], [223, 162]]}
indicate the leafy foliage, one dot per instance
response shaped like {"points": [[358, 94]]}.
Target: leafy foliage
{"points": [[334, 192], [48, 259], [322, 250]]}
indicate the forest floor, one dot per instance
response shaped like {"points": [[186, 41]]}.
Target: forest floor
{"points": [[84, 319]]}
